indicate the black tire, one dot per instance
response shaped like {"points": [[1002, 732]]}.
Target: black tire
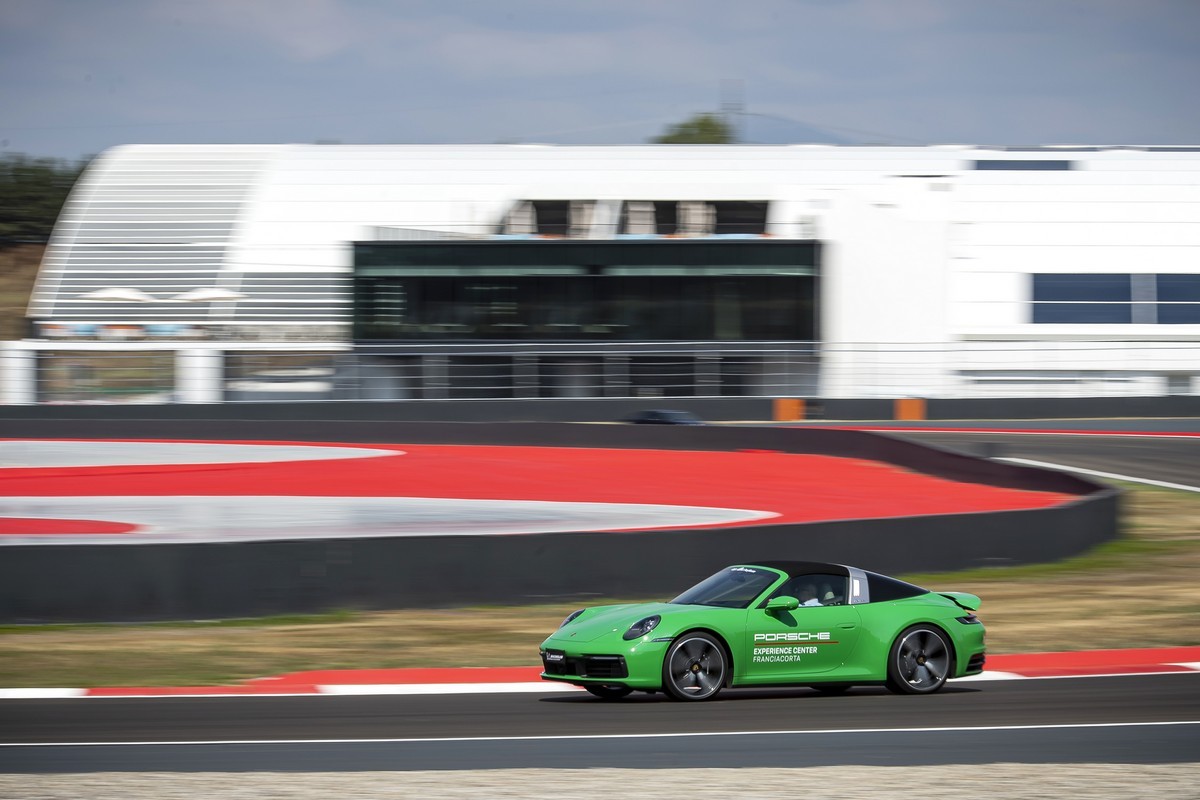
{"points": [[608, 691], [695, 667], [920, 660]]}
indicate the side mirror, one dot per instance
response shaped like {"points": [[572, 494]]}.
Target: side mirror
{"points": [[782, 603]]}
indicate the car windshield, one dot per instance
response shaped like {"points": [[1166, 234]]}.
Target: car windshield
{"points": [[736, 587]]}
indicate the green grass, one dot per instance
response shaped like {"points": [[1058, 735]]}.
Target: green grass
{"points": [[1131, 545], [1095, 600], [1107, 556]]}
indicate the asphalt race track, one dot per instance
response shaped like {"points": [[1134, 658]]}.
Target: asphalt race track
{"points": [[1141, 719], [1134, 719], [1158, 458]]}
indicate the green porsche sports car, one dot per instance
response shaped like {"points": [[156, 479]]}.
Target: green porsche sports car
{"points": [[772, 623]]}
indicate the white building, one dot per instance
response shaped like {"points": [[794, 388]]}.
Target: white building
{"points": [[937, 271]]}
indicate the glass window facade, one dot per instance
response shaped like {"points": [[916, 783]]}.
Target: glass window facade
{"points": [[1096, 287], [585, 291], [1124, 298], [1025, 165], [1083, 313], [1179, 288], [1179, 313]]}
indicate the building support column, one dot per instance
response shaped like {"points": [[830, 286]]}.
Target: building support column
{"points": [[18, 375], [199, 376]]}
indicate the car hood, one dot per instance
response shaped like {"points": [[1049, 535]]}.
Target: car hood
{"points": [[595, 623]]}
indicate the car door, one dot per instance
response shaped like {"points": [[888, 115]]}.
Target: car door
{"points": [[785, 644]]}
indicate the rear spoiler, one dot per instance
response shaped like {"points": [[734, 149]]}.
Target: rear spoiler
{"points": [[967, 602]]}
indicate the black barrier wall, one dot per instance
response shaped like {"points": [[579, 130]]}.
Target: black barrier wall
{"points": [[200, 581], [714, 409]]}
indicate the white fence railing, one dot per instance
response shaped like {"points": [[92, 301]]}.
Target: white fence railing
{"points": [[61, 372]]}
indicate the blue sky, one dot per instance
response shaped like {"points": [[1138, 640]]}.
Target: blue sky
{"points": [[83, 75]]}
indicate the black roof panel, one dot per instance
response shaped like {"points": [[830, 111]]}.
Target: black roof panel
{"points": [[800, 567]]}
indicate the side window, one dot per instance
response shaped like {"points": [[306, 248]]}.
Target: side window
{"points": [[814, 589]]}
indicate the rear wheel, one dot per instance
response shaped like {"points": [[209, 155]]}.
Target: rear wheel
{"points": [[608, 692], [694, 668], [919, 661]]}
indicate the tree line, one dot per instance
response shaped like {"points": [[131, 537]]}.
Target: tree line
{"points": [[32, 192]]}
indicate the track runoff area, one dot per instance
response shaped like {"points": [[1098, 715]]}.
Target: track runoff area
{"points": [[72, 491]]}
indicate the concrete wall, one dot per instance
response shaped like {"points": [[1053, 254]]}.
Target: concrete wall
{"points": [[51, 421]]}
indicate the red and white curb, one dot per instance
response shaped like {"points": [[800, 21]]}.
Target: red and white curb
{"points": [[495, 680]]}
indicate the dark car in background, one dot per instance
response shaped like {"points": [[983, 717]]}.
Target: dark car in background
{"points": [[664, 416]]}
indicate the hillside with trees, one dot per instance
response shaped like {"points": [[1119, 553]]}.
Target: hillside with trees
{"points": [[18, 270], [32, 192]]}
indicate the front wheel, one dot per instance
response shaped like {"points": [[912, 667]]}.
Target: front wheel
{"points": [[608, 692], [694, 668], [919, 661]]}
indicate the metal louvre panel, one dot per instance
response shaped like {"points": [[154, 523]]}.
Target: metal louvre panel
{"points": [[157, 220]]}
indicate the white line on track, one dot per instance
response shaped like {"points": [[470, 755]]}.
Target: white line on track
{"points": [[41, 694], [601, 736], [498, 688], [1004, 432], [1098, 474], [443, 688]]}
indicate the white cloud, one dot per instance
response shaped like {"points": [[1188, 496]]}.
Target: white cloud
{"points": [[302, 29], [85, 75]]}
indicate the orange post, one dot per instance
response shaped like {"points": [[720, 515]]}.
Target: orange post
{"points": [[788, 409], [910, 408]]}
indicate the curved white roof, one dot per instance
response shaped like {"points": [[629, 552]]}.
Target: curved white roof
{"points": [[231, 235]]}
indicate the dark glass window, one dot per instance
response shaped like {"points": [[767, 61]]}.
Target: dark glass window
{"points": [[553, 216], [884, 588], [1090, 313], [735, 587], [552, 291], [1079, 287], [1093, 298], [814, 589], [666, 218], [740, 217], [1179, 288], [728, 217], [1024, 165], [1179, 313]]}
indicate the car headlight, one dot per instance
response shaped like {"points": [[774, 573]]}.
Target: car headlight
{"points": [[571, 617], [640, 628]]}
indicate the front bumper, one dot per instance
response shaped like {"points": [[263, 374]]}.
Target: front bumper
{"points": [[637, 665], [556, 663]]}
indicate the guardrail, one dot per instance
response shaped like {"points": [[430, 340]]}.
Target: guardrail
{"points": [[63, 373]]}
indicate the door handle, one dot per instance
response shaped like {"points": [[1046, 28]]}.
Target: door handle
{"points": [[847, 626]]}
